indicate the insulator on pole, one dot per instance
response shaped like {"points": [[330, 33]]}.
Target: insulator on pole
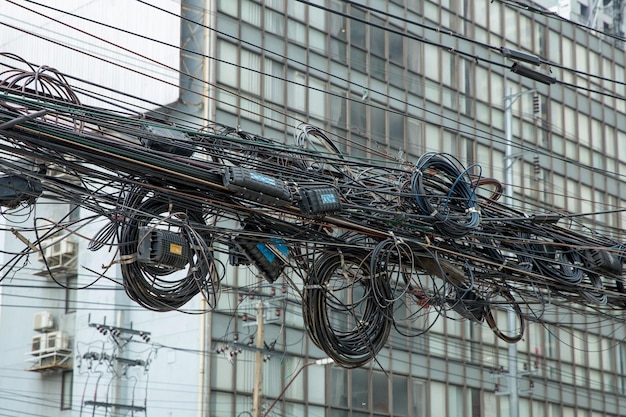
{"points": [[536, 105]]}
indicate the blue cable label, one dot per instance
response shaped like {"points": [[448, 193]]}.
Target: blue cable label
{"points": [[328, 198], [262, 178]]}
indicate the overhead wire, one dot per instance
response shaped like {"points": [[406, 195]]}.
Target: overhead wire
{"points": [[457, 51], [332, 75], [569, 161], [261, 146]]}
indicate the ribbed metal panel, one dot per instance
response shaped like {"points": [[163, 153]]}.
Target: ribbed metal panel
{"points": [[112, 58]]}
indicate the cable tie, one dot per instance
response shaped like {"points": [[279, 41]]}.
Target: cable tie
{"points": [[397, 240], [501, 267], [127, 259], [472, 210], [434, 213], [343, 267], [313, 287]]}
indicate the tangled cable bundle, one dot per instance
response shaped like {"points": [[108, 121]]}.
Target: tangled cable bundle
{"points": [[391, 266], [376, 243], [42, 81], [559, 262], [145, 282], [503, 300], [341, 315], [445, 193]]}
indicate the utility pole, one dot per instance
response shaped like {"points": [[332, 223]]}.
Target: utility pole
{"points": [[320, 362], [509, 160], [258, 363], [508, 187]]}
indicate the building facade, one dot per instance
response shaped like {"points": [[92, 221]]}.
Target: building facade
{"points": [[388, 79], [386, 83], [605, 16]]}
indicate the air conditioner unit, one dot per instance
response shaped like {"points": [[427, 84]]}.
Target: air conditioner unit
{"points": [[43, 321], [60, 252], [56, 341], [38, 344]]}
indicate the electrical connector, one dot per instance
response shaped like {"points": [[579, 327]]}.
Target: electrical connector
{"points": [[257, 187], [264, 257], [468, 304], [602, 260], [162, 247], [320, 200], [165, 139]]}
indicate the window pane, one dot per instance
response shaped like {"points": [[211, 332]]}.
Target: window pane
{"points": [[419, 399], [221, 404], [360, 390], [221, 373], [380, 393], [274, 22], [317, 98], [396, 51], [273, 88], [338, 387], [297, 91], [226, 69], [431, 55], [400, 395], [250, 77], [437, 398], [357, 28]]}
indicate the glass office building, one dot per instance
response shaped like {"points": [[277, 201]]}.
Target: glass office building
{"points": [[397, 79]]}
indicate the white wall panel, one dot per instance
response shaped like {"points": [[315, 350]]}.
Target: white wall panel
{"points": [[136, 65]]}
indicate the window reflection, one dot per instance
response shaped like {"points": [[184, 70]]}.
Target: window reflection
{"points": [[360, 391], [338, 387]]}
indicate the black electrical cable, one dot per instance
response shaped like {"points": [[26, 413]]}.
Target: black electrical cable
{"points": [[415, 106], [143, 282], [371, 260], [339, 283], [509, 303], [444, 192]]}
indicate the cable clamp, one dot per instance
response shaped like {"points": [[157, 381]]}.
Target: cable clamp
{"points": [[24, 240]]}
